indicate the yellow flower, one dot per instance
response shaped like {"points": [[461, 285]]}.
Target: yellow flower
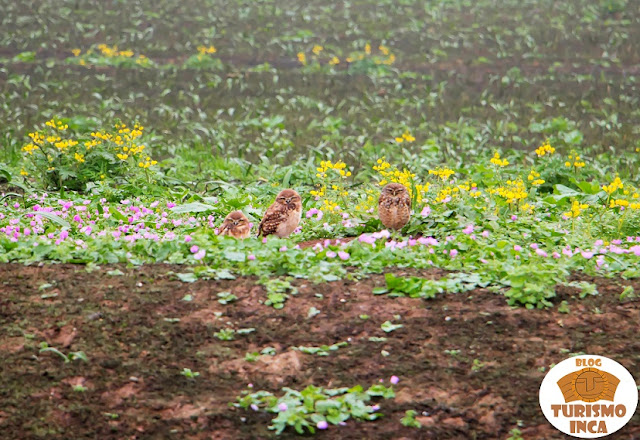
{"points": [[407, 137], [576, 209], [367, 49], [383, 49], [533, 178], [79, 157], [204, 50], [76, 52], [302, 58], [335, 60], [122, 156], [545, 149], [613, 186], [512, 192], [442, 173], [23, 172], [499, 162], [317, 49]]}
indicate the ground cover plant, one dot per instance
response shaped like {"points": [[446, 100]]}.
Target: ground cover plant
{"points": [[129, 136]]}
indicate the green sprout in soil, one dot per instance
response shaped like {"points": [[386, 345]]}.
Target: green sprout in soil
{"points": [[409, 419], [186, 372], [323, 350], [226, 334], [316, 407], [72, 356]]}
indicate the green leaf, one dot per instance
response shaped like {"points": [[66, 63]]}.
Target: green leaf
{"points": [[192, 208], [189, 277], [54, 218], [235, 256], [388, 326]]}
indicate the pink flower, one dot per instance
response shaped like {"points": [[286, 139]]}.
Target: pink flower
{"points": [[586, 254], [615, 249], [200, 255], [514, 217], [283, 249], [541, 253], [366, 238], [251, 257], [194, 249], [322, 424], [555, 255], [331, 254], [425, 211], [453, 253], [517, 248], [254, 407], [382, 234], [533, 246], [314, 211], [283, 407], [428, 241], [170, 205], [485, 234], [468, 230], [567, 252], [187, 238], [343, 255], [394, 380]]}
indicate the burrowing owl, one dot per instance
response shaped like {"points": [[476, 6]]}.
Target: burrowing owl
{"points": [[283, 216], [236, 225], [394, 206]]}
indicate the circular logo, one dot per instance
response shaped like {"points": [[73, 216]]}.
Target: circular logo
{"points": [[588, 396]]}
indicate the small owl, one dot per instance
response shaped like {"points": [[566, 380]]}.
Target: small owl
{"points": [[283, 216], [394, 206], [236, 225]]}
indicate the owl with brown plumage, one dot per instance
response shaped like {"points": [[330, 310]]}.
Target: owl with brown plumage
{"points": [[394, 206], [283, 216], [236, 225]]}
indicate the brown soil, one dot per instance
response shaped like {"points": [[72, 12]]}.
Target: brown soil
{"points": [[136, 350]]}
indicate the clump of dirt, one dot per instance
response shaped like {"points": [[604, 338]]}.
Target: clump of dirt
{"points": [[468, 363]]}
